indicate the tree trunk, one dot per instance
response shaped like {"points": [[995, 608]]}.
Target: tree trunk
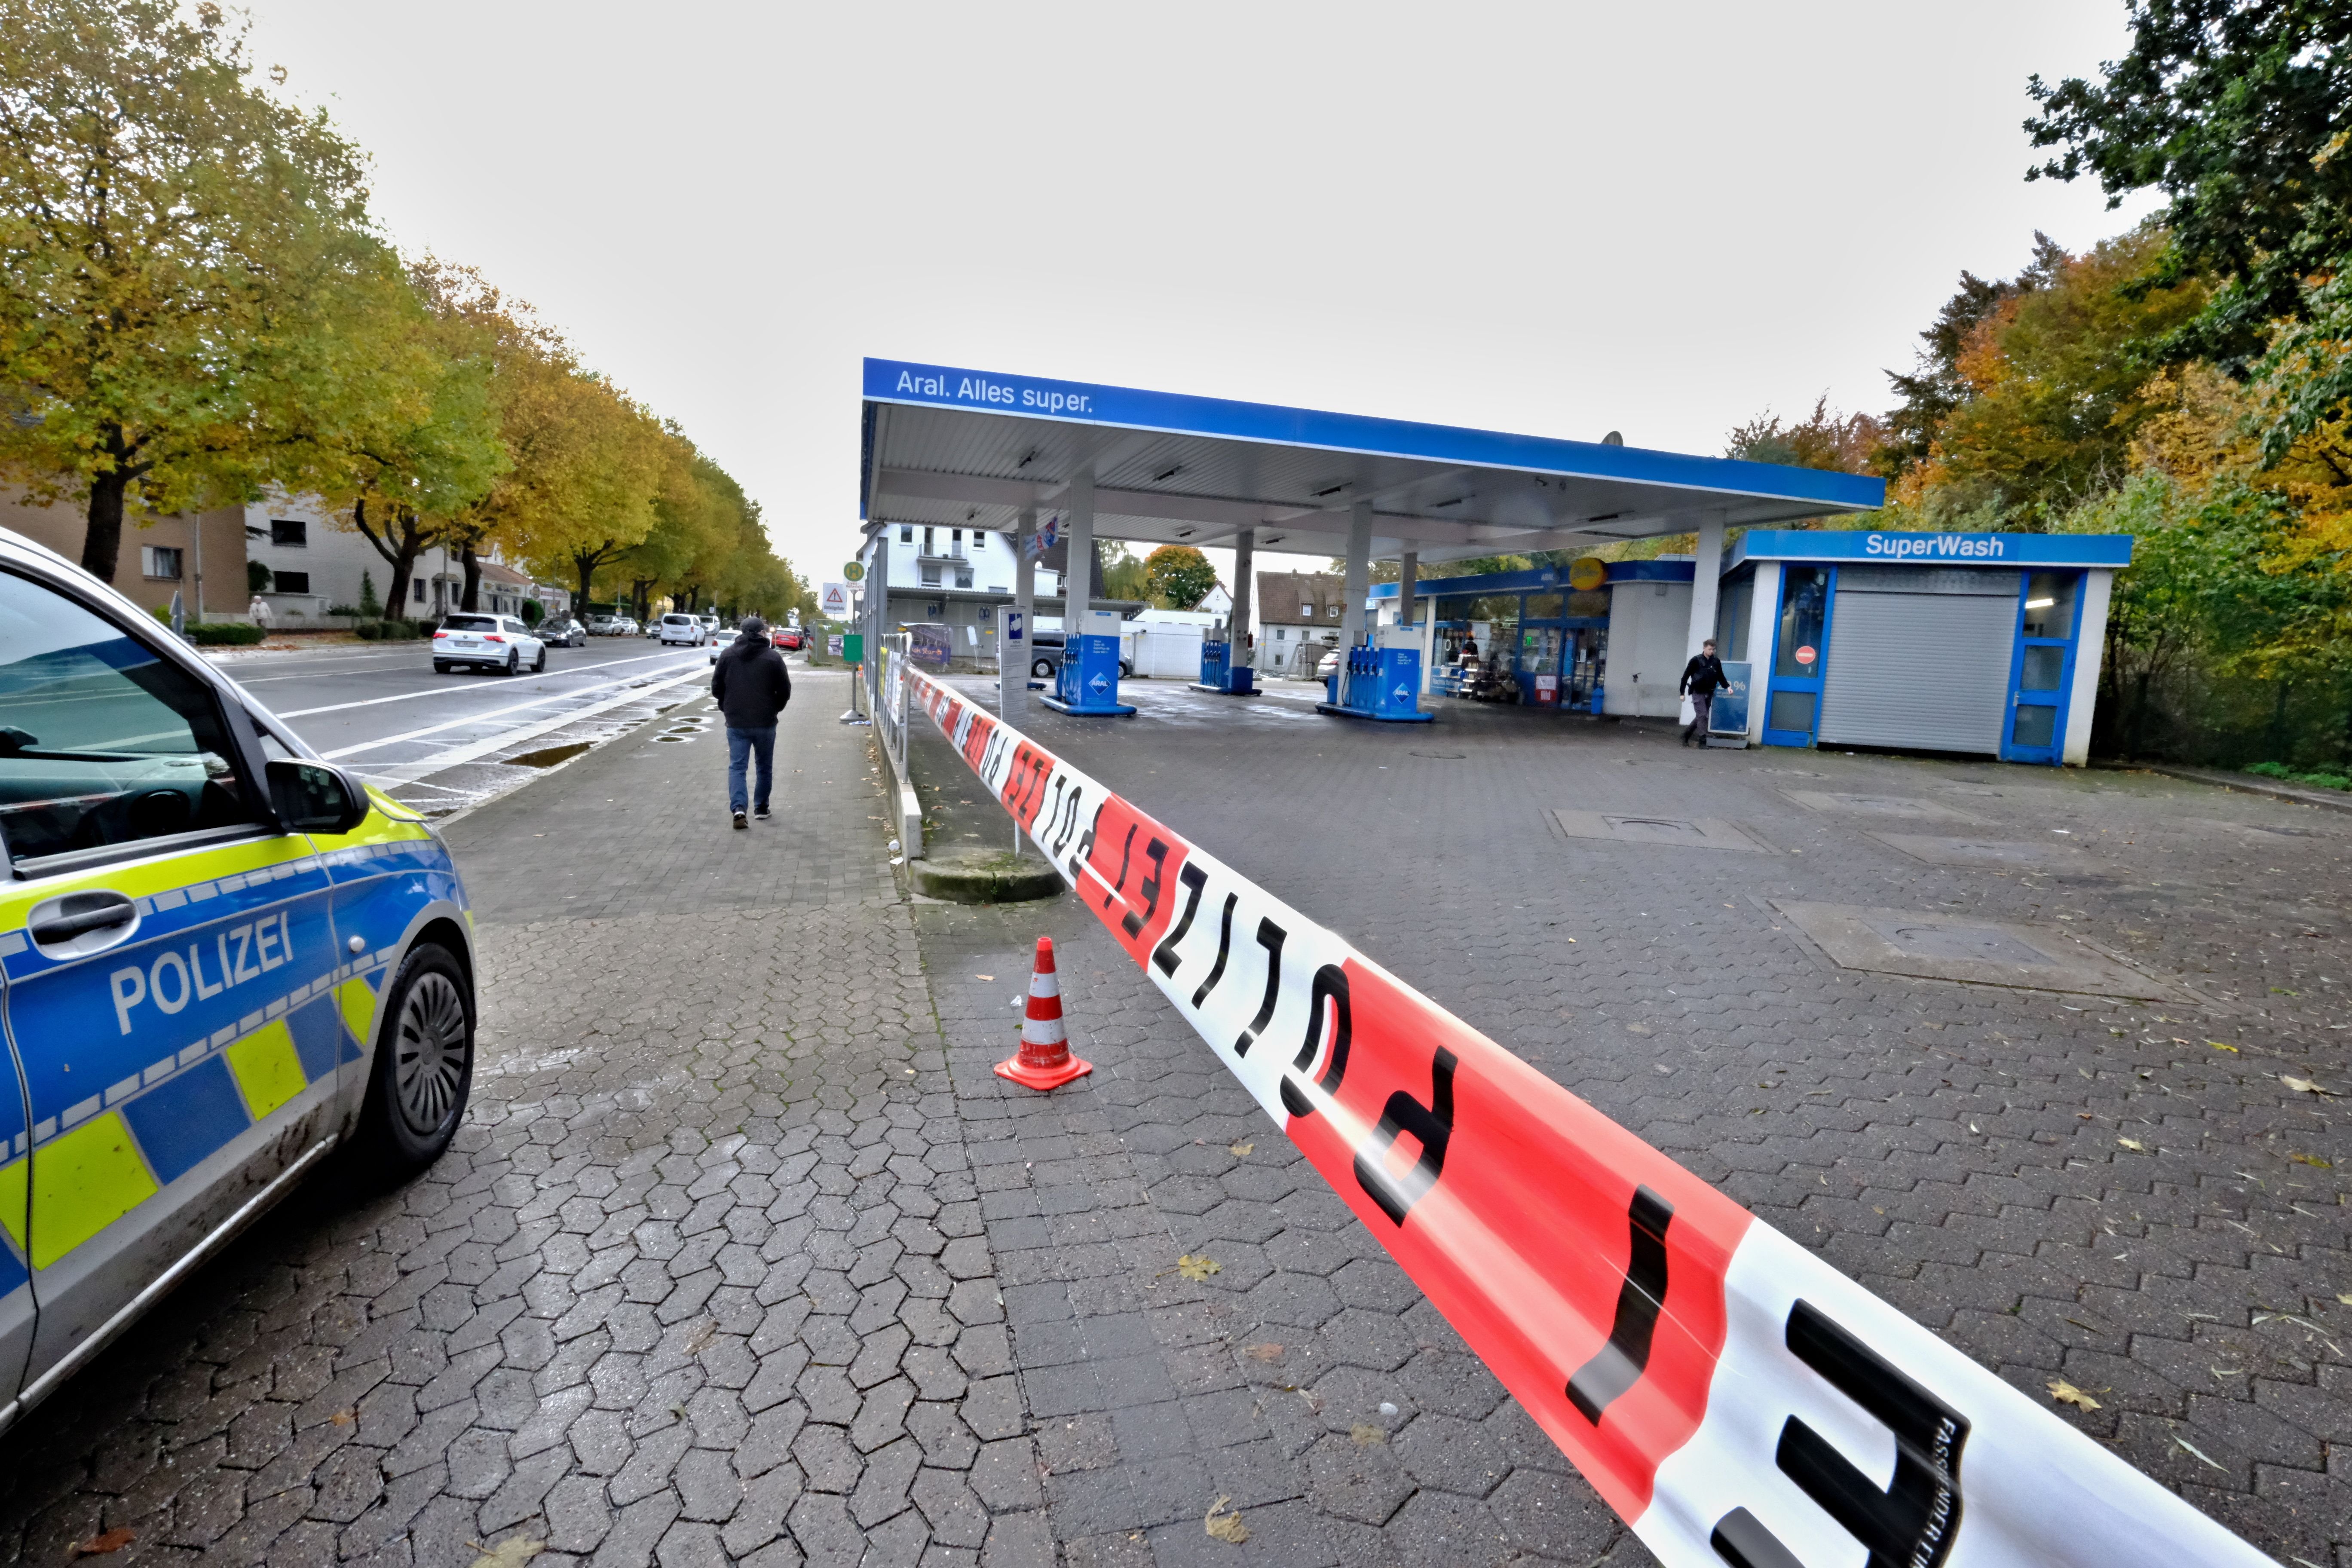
{"points": [[402, 560], [101, 543], [471, 601], [587, 564]]}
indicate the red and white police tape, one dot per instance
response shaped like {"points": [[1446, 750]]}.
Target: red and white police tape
{"points": [[1734, 1398]]}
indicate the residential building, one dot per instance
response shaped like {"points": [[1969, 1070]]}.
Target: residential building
{"points": [[200, 557], [1297, 611], [316, 561]]}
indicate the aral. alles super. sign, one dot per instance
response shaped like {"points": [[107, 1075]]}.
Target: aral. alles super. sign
{"points": [[1735, 1398]]}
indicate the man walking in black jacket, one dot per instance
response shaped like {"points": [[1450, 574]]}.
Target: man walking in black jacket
{"points": [[1702, 677], [751, 688]]}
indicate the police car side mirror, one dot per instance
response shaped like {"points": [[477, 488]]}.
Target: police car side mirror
{"points": [[311, 797]]}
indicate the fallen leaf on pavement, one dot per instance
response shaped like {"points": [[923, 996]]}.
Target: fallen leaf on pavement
{"points": [[2219, 1046], [343, 1417], [1264, 1353], [704, 1333], [2304, 1085], [2134, 1144], [1240, 1151], [983, 977], [1368, 1435], [2313, 1160], [1227, 1527], [2065, 1393], [99, 1545], [1197, 1268], [511, 1552], [2189, 1448]]}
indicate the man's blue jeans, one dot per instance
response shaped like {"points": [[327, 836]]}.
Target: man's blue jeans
{"points": [[742, 745]]}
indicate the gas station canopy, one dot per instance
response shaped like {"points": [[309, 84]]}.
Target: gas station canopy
{"points": [[973, 448]]}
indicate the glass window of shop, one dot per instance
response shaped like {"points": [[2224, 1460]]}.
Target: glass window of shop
{"points": [[1804, 602]]}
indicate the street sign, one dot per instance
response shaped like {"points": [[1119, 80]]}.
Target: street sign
{"points": [[855, 571], [1011, 626], [833, 599]]}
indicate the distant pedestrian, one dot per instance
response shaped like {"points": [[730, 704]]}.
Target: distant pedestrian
{"points": [[1702, 677], [259, 612], [751, 688]]}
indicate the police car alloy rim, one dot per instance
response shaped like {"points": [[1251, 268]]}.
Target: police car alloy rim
{"points": [[431, 1052]]}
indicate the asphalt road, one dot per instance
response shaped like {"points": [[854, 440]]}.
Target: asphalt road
{"points": [[441, 742]]}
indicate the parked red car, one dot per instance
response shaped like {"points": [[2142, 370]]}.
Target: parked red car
{"points": [[787, 637]]}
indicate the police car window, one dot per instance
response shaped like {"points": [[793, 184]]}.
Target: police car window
{"points": [[101, 741]]}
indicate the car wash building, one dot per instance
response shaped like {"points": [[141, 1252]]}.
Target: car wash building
{"points": [[1986, 644]]}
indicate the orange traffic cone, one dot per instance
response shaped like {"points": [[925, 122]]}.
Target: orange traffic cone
{"points": [[1044, 1061]]}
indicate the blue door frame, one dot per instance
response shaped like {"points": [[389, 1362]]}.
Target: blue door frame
{"points": [[1775, 682], [2046, 742]]}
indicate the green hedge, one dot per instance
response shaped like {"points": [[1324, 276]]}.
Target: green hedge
{"points": [[235, 634], [2287, 774], [391, 631]]}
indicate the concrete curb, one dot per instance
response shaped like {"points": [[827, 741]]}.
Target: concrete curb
{"points": [[985, 879], [2249, 784]]}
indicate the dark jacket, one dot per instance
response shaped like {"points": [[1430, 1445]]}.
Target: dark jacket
{"points": [[1702, 675], [751, 685]]}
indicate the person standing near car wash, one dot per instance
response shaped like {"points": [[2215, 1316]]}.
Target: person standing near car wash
{"points": [[751, 688], [1702, 676]]}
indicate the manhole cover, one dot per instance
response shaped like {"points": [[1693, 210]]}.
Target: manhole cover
{"points": [[1441, 756], [1704, 833], [1980, 944], [1878, 806]]}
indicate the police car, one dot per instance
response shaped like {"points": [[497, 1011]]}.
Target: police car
{"points": [[224, 959]]}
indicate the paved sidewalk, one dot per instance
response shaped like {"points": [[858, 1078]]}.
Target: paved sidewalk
{"points": [[703, 1280]]}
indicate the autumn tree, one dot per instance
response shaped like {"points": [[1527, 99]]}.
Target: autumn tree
{"points": [[1845, 443], [1177, 577], [174, 240], [2235, 111]]}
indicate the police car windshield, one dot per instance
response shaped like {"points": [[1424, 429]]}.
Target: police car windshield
{"points": [[469, 623]]}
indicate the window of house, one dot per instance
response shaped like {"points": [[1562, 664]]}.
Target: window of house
{"points": [[293, 582], [963, 577], [1305, 611], [931, 573], [906, 533], [955, 536], [930, 539], [289, 532], [161, 560], [1282, 633], [417, 583]]}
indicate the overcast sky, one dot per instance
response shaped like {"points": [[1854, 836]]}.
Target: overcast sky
{"points": [[1554, 218]]}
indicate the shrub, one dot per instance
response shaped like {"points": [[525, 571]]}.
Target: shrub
{"points": [[343, 609], [2285, 774], [370, 607], [257, 578], [369, 630], [531, 612], [234, 635]]}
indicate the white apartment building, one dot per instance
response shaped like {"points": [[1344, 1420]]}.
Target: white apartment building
{"points": [[315, 562]]}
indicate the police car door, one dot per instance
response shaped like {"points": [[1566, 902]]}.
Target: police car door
{"points": [[168, 960]]}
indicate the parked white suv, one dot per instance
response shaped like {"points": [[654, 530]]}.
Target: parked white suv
{"points": [[486, 642], [678, 629]]}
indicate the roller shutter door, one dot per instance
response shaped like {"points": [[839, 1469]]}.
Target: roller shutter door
{"points": [[1929, 668]]}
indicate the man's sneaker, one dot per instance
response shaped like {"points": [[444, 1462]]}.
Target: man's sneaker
{"points": [[740, 822], [760, 812]]}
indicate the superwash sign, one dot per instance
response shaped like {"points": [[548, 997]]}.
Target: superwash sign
{"points": [[1735, 1398]]}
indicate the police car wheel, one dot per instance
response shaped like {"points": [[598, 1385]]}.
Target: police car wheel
{"points": [[1042, 670], [423, 1067]]}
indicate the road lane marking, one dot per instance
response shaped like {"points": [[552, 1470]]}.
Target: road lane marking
{"points": [[440, 691], [383, 740], [410, 773]]}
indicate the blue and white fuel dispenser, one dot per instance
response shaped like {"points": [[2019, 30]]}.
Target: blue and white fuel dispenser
{"points": [[1220, 674], [1380, 680], [1086, 682]]}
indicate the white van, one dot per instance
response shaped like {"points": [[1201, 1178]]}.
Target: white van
{"points": [[680, 629]]}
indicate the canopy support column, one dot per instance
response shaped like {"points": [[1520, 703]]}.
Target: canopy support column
{"points": [[1359, 573], [1408, 577], [1013, 659], [1079, 528], [1238, 623], [1707, 577]]}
